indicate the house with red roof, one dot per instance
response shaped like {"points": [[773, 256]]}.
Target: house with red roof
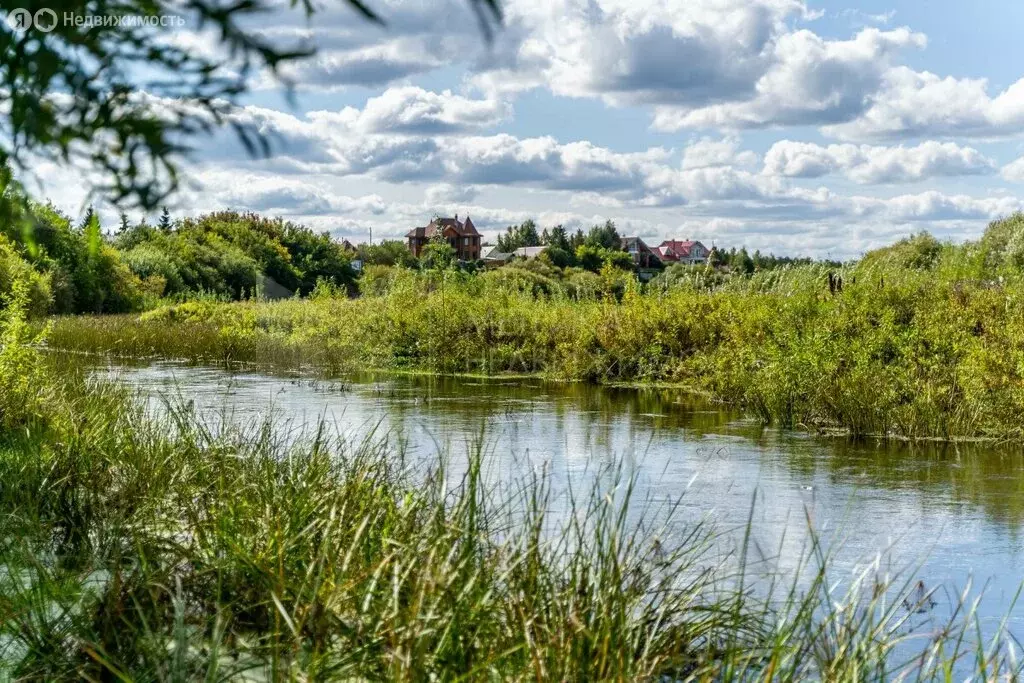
{"points": [[461, 235], [682, 251]]}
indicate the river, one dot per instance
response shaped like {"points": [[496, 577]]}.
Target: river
{"points": [[953, 514]]}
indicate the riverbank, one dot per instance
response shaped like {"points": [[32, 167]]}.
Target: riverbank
{"points": [[152, 547], [924, 341]]}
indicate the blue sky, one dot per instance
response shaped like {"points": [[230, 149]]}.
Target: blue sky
{"points": [[790, 126]]}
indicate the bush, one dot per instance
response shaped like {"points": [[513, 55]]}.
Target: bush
{"points": [[15, 272]]}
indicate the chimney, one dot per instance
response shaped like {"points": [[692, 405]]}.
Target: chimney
{"points": [[456, 218]]}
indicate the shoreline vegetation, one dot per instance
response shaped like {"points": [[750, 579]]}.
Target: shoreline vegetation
{"points": [[143, 546], [920, 340]]}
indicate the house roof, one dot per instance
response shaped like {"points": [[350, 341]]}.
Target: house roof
{"points": [[439, 225], [627, 242], [491, 253], [678, 248], [530, 252]]}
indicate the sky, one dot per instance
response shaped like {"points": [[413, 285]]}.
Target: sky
{"points": [[797, 127]]}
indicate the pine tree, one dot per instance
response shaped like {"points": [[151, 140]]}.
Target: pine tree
{"points": [[125, 225], [165, 221], [87, 219]]}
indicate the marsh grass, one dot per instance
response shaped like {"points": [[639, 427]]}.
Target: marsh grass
{"points": [[897, 352], [154, 546], [147, 547]]}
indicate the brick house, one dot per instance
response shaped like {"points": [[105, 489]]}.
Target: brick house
{"points": [[461, 235], [682, 251], [642, 255]]}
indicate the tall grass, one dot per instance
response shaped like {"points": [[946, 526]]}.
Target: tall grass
{"points": [[138, 546], [921, 341]]}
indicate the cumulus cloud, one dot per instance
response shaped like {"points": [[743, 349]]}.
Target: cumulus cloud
{"points": [[918, 104], [268, 193], [335, 143], [708, 152], [810, 81], [693, 51], [420, 36], [873, 164], [414, 110], [1013, 171], [450, 194]]}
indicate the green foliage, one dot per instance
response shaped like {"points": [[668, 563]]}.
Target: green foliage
{"points": [[86, 275], [387, 253], [15, 272], [560, 257], [679, 275], [935, 351], [139, 546], [24, 388], [594, 258], [918, 252], [527, 277], [437, 254], [228, 253], [516, 236], [72, 92], [604, 236]]}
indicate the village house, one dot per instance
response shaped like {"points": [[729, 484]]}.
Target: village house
{"points": [[641, 254], [494, 257], [687, 252], [461, 235], [529, 252]]}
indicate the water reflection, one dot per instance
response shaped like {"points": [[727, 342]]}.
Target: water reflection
{"points": [[954, 511]]}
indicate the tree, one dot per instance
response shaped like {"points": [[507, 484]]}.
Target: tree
{"points": [[387, 253], [72, 91], [87, 219], [560, 257], [616, 258], [516, 236], [165, 221], [741, 262], [437, 254], [577, 240], [559, 238], [125, 225], [606, 236]]}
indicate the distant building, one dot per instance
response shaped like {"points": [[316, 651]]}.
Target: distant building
{"points": [[529, 252], [687, 252], [641, 254], [493, 257], [461, 235]]}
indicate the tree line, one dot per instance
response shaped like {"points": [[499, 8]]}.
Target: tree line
{"points": [[71, 267]]}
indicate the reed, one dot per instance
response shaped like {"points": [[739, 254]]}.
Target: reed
{"points": [[155, 546], [934, 352]]}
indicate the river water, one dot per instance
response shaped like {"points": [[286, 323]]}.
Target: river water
{"points": [[952, 514]]}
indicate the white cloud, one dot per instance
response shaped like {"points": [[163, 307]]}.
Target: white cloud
{"points": [[871, 164], [708, 152], [219, 188], [912, 103], [450, 194], [1013, 171], [417, 111], [810, 81]]}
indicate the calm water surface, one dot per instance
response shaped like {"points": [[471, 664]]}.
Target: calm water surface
{"points": [[954, 513]]}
